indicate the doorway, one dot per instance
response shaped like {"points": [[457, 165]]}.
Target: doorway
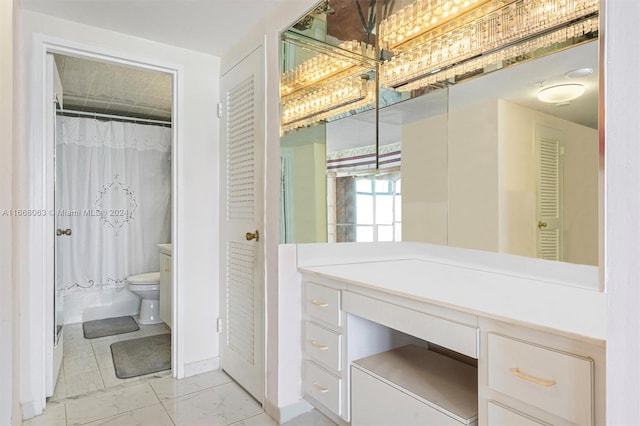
{"points": [[110, 156]]}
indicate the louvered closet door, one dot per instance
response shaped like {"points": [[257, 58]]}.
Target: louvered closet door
{"points": [[549, 152], [242, 259]]}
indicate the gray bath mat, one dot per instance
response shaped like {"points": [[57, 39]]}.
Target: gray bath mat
{"points": [[109, 327], [138, 357]]}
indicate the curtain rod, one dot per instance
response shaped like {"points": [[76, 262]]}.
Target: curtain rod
{"points": [[117, 117]]}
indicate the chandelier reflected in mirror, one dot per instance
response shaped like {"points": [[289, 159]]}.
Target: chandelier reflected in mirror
{"points": [[327, 84], [436, 40], [426, 43]]}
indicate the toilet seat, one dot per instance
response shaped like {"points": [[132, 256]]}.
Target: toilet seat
{"points": [[148, 278]]}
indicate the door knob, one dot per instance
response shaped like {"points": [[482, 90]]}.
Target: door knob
{"points": [[60, 232], [542, 225], [252, 236]]}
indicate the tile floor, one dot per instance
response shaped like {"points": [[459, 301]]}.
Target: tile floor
{"points": [[87, 365], [88, 393]]}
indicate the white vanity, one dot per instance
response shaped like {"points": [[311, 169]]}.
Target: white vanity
{"points": [[539, 343]]}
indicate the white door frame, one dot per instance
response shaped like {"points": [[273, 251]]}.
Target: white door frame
{"points": [[37, 340]]}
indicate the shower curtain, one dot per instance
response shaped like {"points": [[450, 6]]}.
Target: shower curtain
{"points": [[113, 190]]}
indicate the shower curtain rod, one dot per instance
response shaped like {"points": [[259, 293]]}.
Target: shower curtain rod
{"points": [[118, 117]]}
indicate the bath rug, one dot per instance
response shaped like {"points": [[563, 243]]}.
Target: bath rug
{"points": [[137, 357], [109, 327]]}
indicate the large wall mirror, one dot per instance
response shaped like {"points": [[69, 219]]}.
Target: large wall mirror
{"points": [[470, 123]]}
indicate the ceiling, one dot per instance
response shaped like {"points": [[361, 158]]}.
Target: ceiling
{"points": [[114, 89], [200, 25], [209, 26]]}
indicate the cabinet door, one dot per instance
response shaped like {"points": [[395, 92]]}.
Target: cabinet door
{"points": [[165, 304]]}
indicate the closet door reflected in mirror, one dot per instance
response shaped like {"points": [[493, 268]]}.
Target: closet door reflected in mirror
{"points": [[483, 132]]}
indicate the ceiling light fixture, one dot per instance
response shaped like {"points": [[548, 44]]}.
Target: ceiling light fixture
{"points": [[460, 37], [561, 93], [579, 73]]}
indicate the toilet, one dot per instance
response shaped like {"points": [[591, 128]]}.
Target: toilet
{"points": [[147, 286]]}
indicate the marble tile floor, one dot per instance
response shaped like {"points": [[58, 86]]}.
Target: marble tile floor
{"points": [[87, 365], [206, 399], [158, 399]]}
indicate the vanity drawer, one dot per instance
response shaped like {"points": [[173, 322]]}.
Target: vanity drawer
{"points": [[324, 387], [322, 303], [449, 334], [323, 346], [503, 416], [557, 382]]}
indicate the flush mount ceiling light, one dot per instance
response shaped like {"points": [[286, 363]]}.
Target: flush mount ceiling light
{"points": [[561, 93], [579, 73]]}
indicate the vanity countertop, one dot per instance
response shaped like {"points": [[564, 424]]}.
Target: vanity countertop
{"points": [[561, 309], [165, 248]]}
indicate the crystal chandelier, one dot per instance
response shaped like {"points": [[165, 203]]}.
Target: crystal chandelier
{"points": [[436, 40], [417, 18], [305, 108], [327, 85], [323, 67]]}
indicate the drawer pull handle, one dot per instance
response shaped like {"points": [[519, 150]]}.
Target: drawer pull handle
{"points": [[548, 383], [317, 345], [320, 388], [319, 303]]}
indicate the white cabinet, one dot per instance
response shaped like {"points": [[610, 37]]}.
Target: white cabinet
{"points": [[323, 372], [340, 326], [166, 289], [331, 339], [539, 378], [527, 374]]}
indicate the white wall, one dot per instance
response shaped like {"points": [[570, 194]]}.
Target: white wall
{"points": [[473, 176], [309, 215], [581, 194], [307, 152], [195, 161], [425, 196], [289, 339], [517, 180], [622, 226], [9, 361]]}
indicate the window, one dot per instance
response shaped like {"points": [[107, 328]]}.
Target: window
{"points": [[372, 211]]}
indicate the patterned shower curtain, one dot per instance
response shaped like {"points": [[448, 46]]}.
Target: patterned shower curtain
{"points": [[113, 190]]}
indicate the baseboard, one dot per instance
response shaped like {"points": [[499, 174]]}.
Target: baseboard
{"points": [[288, 412], [30, 410], [203, 366]]}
